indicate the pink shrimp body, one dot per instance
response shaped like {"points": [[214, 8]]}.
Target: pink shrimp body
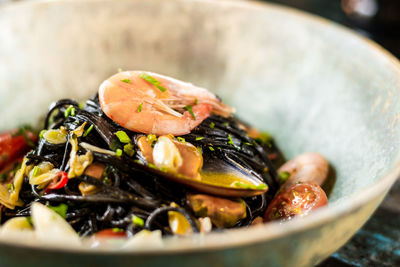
{"points": [[140, 106], [308, 167]]}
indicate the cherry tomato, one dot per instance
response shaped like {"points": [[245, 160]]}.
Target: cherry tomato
{"points": [[113, 233], [298, 199], [59, 181], [13, 148]]}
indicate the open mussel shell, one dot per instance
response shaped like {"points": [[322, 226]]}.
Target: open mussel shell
{"points": [[218, 178]]}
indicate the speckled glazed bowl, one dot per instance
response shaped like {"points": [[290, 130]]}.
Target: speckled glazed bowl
{"points": [[312, 84]]}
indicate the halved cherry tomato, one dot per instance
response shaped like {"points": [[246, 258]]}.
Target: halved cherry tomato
{"points": [[59, 181], [113, 233], [13, 147], [298, 199]]}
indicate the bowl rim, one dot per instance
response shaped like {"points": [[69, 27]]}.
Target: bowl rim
{"points": [[257, 234]]}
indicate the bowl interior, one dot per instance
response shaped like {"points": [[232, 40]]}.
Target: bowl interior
{"points": [[311, 84]]}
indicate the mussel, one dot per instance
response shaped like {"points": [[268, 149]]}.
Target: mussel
{"points": [[217, 157]]}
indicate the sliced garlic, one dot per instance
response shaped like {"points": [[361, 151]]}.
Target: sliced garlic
{"points": [[50, 227]]}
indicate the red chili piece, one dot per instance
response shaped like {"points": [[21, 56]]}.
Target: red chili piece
{"points": [[58, 182]]}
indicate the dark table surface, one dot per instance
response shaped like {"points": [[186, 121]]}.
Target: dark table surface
{"points": [[378, 242]]}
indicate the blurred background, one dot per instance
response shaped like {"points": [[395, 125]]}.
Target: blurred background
{"points": [[378, 242]]}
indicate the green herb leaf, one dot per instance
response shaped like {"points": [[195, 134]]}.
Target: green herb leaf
{"points": [[212, 125], [189, 108], [128, 149], [29, 220], [247, 143], [151, 138], [123, 137], [118, 152], [152, 166], [283, 177], [139, 109], [195, 101], [137, 221], [88, 131], [230, 140], [117, 230], [181, 139], [199, 138], [68, 111], [42, 133], [36, 170], [60, 209], [211, 148], [126, 81], [153, 81], [250, 186]]}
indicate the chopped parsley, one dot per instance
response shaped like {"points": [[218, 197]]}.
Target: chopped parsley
{"points": [[139, 109], [189, 108], [153, 81], [250, 186], [42, 133], [283, 177], [247, 143], [137, 221], [152, 166], [118, 152], [181, 139], [69, 111], [60, 209], [212, 125], [36, 170], [126, 81], [128, 149], [123, 137], [117, 230], [211, 148], [87, 132], [199, 138]]}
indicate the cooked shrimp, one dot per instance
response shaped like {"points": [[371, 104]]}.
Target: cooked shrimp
{"points": [[155, 104], [308, 167]]}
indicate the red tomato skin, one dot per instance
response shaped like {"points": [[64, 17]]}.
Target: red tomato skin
{"points": [[13, 148], [110, 233], [296, 200]]}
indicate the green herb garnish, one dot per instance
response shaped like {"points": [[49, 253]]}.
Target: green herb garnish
{"points": [[118, 152], [211, 148], [189, 108], [247, 143], [230, 140], [117, 230], [250, 186], [151, 138], [36, 170], [152, 166], [42, 133], [87, 132], [195, 101], [29, 220], [68, 111], [212, 125], [60, 209], [153, 81], [123, 137], [128, 149], [181, 139], [199, 138], [283, 177], [139, 109], [126, 81], [137, 221]]}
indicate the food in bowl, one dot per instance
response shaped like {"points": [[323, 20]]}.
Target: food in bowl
{"points": [[149, 155]]}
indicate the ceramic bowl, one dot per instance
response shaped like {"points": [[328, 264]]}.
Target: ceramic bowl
{"points": [[314, 85]]}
